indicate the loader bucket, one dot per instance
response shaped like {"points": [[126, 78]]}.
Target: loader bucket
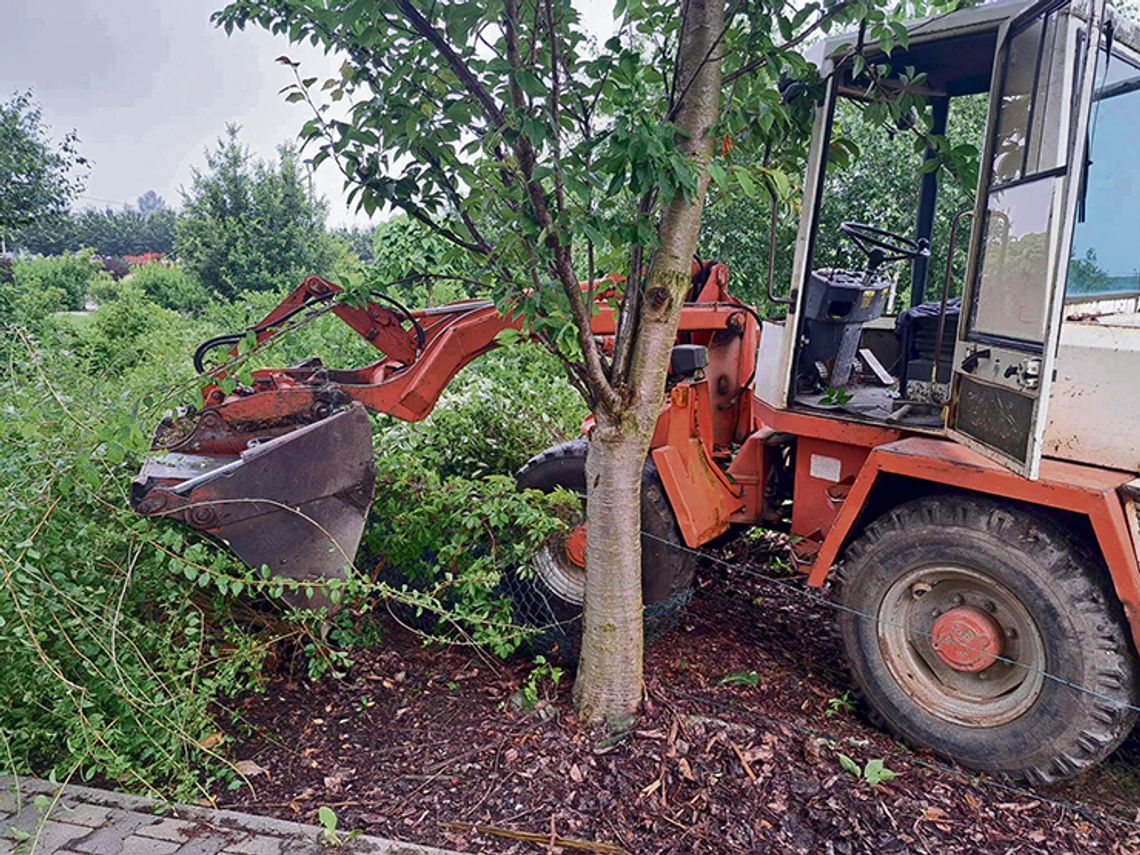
{"points": [[295, 503]]}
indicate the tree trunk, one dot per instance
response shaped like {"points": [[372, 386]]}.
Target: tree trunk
{"points": [[609, 683]]}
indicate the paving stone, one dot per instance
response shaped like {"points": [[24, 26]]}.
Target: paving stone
{"points": [[8, 802], [88, 821], [301, 847], [205, 845], [80, 813], [55, 835], [135, 845], [255, 844], [108, 840], [169, 828]]}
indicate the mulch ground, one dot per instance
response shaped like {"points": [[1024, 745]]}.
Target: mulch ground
{"points": [[425, 745]]}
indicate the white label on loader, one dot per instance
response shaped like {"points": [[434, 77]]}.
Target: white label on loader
{"points": [[826, 468]]}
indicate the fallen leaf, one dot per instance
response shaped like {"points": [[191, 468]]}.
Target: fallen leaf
{"points": [[250, 769], [211, 741]]}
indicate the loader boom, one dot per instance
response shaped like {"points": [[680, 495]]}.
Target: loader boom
{"points": [[280, 467]]}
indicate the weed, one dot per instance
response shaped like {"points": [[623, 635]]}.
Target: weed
{"points": [[741, 678], [542, 672], [836, 397], [875, 772], [842, 705]]}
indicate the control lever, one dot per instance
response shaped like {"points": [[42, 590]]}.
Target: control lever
{"points": [[970, 363]]}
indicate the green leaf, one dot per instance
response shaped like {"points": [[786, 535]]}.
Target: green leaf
{"points": [[746, 182], [876, 772], [849, 765]]}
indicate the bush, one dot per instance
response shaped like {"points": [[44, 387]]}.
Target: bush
{"points": [[111, 660], [171, 287], [123, 640], [71, 273], [122, 331], [494, 416], [117, 267], [450, 543]]}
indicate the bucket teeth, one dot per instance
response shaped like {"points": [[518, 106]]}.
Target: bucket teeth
{"points": [[296, 503]]}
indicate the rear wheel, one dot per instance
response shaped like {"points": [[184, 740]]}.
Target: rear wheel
{"points": [[550, 595], [967, 623]]}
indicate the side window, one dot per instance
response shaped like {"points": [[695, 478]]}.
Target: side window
{"points": [[1106, 256], [1026, 176]]}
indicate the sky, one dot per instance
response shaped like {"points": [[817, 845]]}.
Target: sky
{"points": [[150, 84]]}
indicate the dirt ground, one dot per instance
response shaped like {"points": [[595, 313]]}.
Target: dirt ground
{"points": [[739, 750]]}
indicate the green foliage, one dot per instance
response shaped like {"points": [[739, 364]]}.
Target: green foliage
{"points": [[542, 673], [538, 154], [72, 274], [110, 661], [454, 540], [107, 231], [841, 705], [38, 177], [248, 224], [170, 286], [123, 640], [875, 772], [493, 417], [404, 248], [741, 678]]}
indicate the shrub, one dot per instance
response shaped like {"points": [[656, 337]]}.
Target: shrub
{"points": [[449, 544], [116, 266], [494, 416], [71, 273], [171, 287], [123, 330]]}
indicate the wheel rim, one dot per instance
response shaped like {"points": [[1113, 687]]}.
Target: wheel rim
{"points": [[562, 566], [961, 645]]}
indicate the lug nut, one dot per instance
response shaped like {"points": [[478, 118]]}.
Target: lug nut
{"points": [[957, 599]]}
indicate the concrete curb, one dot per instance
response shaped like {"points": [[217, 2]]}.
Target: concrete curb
{"points": [[88, 821]]}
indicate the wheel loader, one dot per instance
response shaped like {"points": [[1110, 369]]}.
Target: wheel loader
{"points": [[963, 471]]}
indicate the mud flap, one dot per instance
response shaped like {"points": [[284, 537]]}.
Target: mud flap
{"points": [[296, 503]]}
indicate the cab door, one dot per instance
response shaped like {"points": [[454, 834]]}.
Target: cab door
{"points": [[1029, 187]]}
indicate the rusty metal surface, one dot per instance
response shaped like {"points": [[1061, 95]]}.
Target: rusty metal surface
{"points": [[296, 503]]}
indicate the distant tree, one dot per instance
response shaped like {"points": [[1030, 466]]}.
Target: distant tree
{"points": [[149, 202], [39, 177], [108, 232], [251, 224], [359, 238]]}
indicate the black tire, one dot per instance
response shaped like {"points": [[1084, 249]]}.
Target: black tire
{"points": [[666, 570], [1041, 729]]}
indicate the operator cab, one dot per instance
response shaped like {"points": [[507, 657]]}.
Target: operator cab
{"points": [[940, 308], [869, 344]]}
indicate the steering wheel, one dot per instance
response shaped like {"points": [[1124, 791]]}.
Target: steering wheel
{"points": [[881, 246]]}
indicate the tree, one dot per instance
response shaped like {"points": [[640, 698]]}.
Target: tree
{"points": [[108, 232], [502, 128], [149, 202], [251, 224], [38, 177]]}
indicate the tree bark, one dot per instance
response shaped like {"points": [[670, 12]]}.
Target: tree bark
{"points": [[609, 681]]}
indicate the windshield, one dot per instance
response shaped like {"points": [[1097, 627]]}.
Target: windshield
{"points": [[1106, 258]]}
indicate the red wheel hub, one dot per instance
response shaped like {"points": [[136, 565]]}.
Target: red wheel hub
{"points": [[967, 639], [575, 546]]}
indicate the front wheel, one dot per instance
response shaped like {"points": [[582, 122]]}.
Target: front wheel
{"points": [[982, 631], [549, 596]]}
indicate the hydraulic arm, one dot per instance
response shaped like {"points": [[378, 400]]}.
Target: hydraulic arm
{"points": [[280, 467]]}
